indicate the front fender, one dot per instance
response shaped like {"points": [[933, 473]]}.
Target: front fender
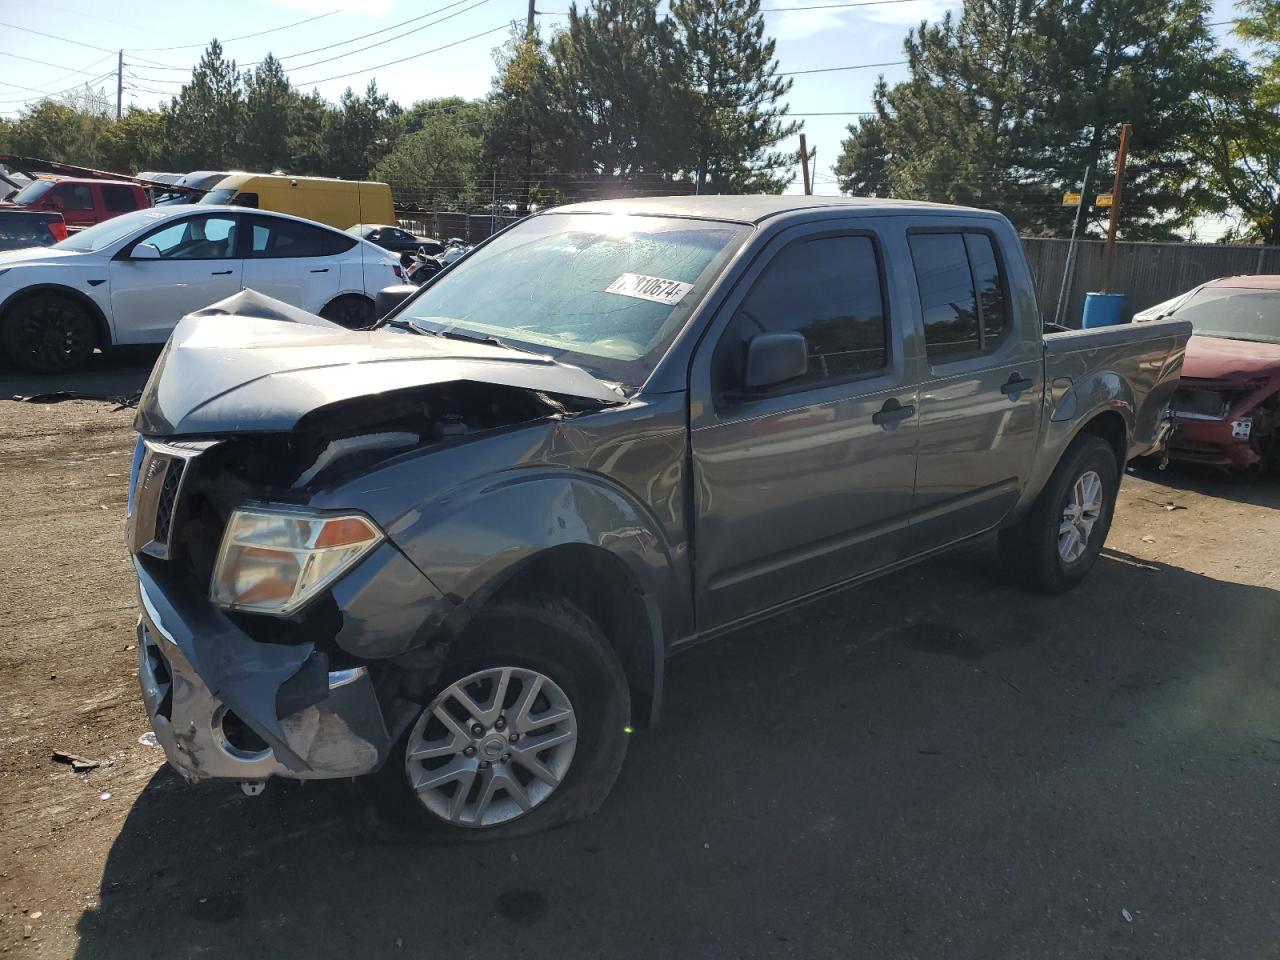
{"points": [[469, 545]]}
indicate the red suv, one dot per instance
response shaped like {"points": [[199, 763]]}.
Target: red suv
{"points": [[82, 203]]}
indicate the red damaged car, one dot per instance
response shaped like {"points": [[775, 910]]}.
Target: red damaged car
{"points": [[1228, 402]]}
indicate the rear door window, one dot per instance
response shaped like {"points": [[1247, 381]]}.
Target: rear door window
{"points": [[119, 199], [962, 295], [287, 238]]}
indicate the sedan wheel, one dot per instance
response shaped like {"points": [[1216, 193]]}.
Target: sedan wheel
{"points": [[492, 746], [48, 335]]}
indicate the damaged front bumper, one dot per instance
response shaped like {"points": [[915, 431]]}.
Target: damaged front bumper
{"points": [[224, 706]]}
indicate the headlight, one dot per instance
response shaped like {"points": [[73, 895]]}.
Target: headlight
{"points": [[274, 562]]}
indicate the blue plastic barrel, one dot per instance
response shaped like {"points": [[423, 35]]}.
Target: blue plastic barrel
{"points": [[1104, 310]]}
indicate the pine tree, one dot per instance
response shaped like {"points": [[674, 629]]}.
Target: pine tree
{"points": [[208, 115], [733, 117], [359, 132], [613, 79], [269, 116], [521, 136]]}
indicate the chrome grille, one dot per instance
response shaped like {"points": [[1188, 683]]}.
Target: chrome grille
{"points": [[157, 496]]}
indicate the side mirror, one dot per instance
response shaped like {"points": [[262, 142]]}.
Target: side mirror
{"points": [[774, 358], [144, 251], [389, 298]]}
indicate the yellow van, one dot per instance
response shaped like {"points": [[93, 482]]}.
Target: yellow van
{"points": [[339, 203]]}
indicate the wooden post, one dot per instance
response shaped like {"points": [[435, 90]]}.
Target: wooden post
{"points": [[804, 166], [528, 30], [1117, 187]]}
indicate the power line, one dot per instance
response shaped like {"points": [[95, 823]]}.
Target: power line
{"points": [[433, 23], [51, 36], [374, 33], [852, 66], [392, 63], [246, 36], [46, 63], [61, 93]]}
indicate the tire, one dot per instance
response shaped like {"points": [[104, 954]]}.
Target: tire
{"points": [[350, 310], [566, 649], [1035, 551], [48, 333]]}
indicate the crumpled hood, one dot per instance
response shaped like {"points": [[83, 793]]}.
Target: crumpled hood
{"points": [[252, 363], [1217, 358]]}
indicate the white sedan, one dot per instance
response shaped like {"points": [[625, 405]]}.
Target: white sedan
{"points": [[130, 279]]}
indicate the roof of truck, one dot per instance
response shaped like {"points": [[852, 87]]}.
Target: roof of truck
{"points": [[753, 209]]}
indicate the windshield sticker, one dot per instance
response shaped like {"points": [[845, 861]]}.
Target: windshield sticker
{"points": [[656, 289]]}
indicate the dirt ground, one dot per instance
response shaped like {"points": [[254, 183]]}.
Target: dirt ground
{"points": [[937, 765]]}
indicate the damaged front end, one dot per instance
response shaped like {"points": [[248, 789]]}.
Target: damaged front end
{"points": [[277, 639]]}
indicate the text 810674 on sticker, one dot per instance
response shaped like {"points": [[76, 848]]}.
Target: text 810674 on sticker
{"points": [[656, 289]]}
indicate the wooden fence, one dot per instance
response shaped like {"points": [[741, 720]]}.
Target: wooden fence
{"points": [[1146, 273]]}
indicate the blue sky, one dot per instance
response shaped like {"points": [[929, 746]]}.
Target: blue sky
{"points": [[159, 37]]}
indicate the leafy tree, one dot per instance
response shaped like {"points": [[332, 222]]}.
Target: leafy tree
{"points": [[1236, 148], [522, 133], [137, 141], [56, 131], [208, 115], [434, 165], [613, 73], [1260, 26], [730, 86], [270, 114], [1008, 103], [359, 133]]}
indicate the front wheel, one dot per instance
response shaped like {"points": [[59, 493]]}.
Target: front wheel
{"points": [[526, 730], [48, 333], [1056, 544]]}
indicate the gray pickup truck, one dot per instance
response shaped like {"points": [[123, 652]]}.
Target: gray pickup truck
{"points": [[454, 552]]}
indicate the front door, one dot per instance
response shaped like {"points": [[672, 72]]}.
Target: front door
{"points": [[291, 261], [809, 483], [193, 263], [980, 397]]}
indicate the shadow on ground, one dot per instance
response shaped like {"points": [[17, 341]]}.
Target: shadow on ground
{"points": [[1240, 487], [999, 775], [118, 373]]}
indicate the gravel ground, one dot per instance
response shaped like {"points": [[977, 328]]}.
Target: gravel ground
{"points": [[938, 765]]}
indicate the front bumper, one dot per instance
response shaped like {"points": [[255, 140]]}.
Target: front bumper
{"points": [[1212, 442], [205, 683]]}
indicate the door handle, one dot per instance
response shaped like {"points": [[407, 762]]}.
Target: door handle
{"points": [[221, 273], [892, 413], [1016, 386], [321, 270]]}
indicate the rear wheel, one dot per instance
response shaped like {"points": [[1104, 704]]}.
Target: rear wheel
{"points": [[1056, 544], [526, 730], [350, 310], [48, 333]]}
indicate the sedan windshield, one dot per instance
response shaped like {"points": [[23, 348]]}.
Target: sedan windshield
{"points": [[605, 292], [109, 231], [1236, 313]]}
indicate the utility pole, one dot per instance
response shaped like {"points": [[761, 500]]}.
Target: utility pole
{"points": [[1117, 187], [804, 166], [119, 83], [528, 32]]}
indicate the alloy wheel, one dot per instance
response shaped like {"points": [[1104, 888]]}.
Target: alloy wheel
{"points": [[53, 336], [491, 746], [1083, 507]]}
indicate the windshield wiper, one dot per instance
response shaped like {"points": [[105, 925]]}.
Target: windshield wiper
{"points": [[485, 339], [403, 325]]}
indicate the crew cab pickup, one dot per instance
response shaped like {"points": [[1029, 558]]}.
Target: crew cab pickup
{"points": [[454, 552]]}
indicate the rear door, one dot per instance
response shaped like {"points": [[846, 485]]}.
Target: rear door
{"points": [[292, 261], [981, 392], [197, 266], [809, 483]]}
